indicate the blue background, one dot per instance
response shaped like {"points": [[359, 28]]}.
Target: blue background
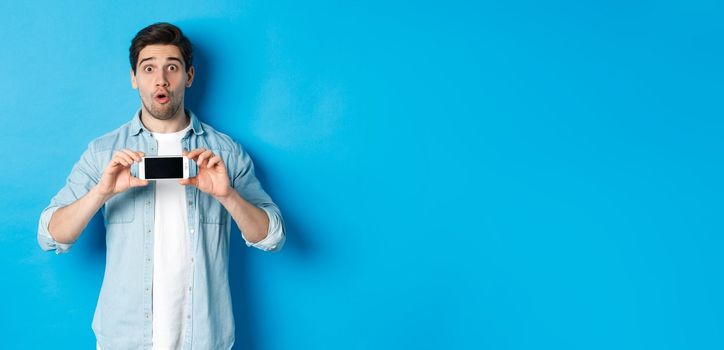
{"points": [[458, 175]]}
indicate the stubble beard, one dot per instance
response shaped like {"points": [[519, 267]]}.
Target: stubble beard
{"points": [[163, 113]]}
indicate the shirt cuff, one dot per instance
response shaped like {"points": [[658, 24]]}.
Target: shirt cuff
{"points": [[45, 240], [275, 237]]}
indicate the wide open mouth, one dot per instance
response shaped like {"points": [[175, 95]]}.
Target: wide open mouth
{"points": [[162, 97]]}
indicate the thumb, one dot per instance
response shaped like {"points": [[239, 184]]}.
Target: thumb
{"points": [[190, 181], [136, 182]]}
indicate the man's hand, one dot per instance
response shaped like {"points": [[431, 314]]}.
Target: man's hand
{"points": [[68, 222], [117, 177], [211, 177]]}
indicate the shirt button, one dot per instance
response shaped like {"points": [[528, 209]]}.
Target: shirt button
{"points": [[192, 259], [189, 289], [192, 230], [148, 259], [191, 203]]}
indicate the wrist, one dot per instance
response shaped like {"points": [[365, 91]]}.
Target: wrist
{"points": [[228, 196], [98, 196]]}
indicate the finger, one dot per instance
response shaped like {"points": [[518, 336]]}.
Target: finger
{"points": [[125, 157], [200, 162], [204, 157], [119, 160], [136, 182], [134, 156], [213, 161], [115, 163], [193, 154], [127, 161], [137, 156], [190, 181]]}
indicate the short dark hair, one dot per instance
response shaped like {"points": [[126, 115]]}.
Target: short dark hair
{"points": [[161, 33]]}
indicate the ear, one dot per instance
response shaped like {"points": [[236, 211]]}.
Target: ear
{"points": [[134, 83], [190, 77]]}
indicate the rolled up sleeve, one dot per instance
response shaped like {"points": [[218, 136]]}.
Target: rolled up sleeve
{"points": [[82, 178], [45, 240], [245, 182]]}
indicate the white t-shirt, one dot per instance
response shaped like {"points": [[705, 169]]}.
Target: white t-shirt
{"points": [[172, 266], [172, 255]]}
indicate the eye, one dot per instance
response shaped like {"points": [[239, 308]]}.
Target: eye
{"points": [[172, 68], [148, 69]]}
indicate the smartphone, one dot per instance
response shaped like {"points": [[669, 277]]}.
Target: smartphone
{"points": [[163, 168]]}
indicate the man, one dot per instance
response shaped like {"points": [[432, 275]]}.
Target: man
{"points": [[166, 280]]}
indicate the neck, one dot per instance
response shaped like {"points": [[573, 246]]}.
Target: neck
{"points": [[177, 123]]}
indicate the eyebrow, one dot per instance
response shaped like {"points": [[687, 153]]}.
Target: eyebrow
{"points": [[153, 58]]}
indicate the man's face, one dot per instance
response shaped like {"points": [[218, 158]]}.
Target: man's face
{"points": [[161, 80]]}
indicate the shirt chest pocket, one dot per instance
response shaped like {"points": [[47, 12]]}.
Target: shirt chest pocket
{"points": [[121, 208], [210, 210]]}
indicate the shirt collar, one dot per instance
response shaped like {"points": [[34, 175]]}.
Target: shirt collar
{"points": [[137, 126]]}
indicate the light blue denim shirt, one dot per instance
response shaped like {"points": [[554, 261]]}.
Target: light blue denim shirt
{"points": [[123, 315]]}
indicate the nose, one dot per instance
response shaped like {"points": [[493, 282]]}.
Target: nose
{"points": [[161, 79]]}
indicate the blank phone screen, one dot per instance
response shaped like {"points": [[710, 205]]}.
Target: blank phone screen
{"points": [[164, 168]]}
